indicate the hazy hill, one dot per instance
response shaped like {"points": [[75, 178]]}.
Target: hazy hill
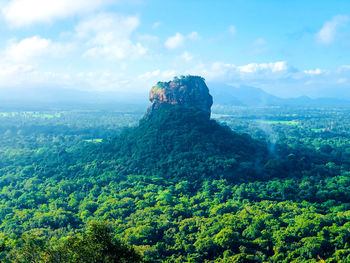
{"points": [[44, 98], [249, 96]]}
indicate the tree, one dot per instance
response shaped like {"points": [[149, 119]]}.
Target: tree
{"points": [[97, 245]]}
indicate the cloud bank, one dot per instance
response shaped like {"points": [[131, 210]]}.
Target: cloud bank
{"points": [[19, 13]]}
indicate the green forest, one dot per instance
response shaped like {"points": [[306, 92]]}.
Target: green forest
{"points": [[268, 184]]}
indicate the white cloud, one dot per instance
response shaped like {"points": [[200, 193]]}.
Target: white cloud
{"points": [[20, 63], [27, 48], [217, 71], [28, 77], [25, 75], [175, 41], [178, 40], [314, 71], [168, 74], [271, 67], [327, 33], [109, 36], [11, 74], [150, 75], [276, 77], [187, 56], [26, 12], [124, 26], [150, 78], [232, 29], [226, 72], [34, 47]]}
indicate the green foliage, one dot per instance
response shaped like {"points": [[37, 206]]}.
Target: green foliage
{"points": [[189, 80], [176, 142], [96, 245], [176, 188]]}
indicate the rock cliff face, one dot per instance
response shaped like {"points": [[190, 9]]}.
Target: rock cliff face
{"points": [[189, 92]]}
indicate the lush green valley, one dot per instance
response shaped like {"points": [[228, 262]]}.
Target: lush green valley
{"points": [[176, 188]]}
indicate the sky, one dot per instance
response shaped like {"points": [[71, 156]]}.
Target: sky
{"points": [[287, 48]]}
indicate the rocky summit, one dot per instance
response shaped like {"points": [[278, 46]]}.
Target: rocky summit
{"points": [[186, 91]]}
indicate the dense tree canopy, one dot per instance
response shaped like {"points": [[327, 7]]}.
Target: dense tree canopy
{"points": [[176, 188], [177, 143]]}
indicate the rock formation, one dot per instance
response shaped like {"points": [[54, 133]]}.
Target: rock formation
{"points": [[189, 92]]}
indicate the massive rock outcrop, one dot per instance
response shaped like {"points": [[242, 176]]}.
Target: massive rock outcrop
{"points": [[188, 92]]}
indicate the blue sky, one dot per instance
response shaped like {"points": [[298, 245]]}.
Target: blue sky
{"points": [[288, 48]]}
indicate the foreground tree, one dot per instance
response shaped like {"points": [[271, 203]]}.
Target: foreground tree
{"points": [[97, 245]]}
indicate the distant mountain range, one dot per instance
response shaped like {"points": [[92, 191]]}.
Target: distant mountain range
{"points": [[223, 94], [249, 96], [60, 98]]}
